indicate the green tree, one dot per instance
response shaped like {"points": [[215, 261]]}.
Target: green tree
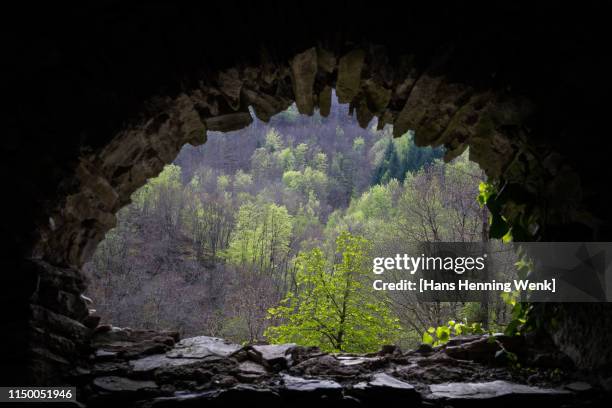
{"points": [[286, 159], [300, 153], [320, 162], [261, 237], [274, 142], [342, 173], [262, 164], [223, 182], [394, 157], [333, 307], [242, 180], [162, 197], [307, 182], [390, 167]]}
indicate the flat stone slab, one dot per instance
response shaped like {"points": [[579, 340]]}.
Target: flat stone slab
{"points": [[355, 360], [310, 385], [122, 384], [152, 363], [384, 380], [202, 346], [383, 386], [250, 367], [457, 392], [105, 354]]}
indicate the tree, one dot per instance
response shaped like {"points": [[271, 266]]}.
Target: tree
{"points": [[261, 238], [320, 162], [242, 180], [300, 155], [273, 141], [162, 197], [343, 170], [389, 167], [286, 159], [332, 307], [262, 164], [393, 158], [307, 182]]}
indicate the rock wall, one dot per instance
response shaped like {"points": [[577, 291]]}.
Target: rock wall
{"points": [[150, 369], [102, 96], [60, 324]]}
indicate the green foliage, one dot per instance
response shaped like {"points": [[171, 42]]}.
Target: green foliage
{"points": [[436, 336], [508, 220], [488, 196], [320, 162], [261, 237], [394, 157], [273, 142], [262, 163], [520, 320], [306, 182], [242, 180], [300, 152], [375, 203], [223, 182], [162, 195], [293, 179], [168, 181], [290, 115], [485, 191], [286, 159], [390, 167], [332, 308]]}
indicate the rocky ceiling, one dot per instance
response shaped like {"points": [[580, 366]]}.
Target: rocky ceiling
{"points": [[100, 97]]}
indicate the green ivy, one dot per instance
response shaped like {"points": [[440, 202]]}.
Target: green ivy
{"points": [[520, 321], [500, 228], [489, 196], [509, 220], [436, 336]]}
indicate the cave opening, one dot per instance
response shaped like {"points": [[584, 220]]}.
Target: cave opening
{"points": [[484, 136], [212, 244]]}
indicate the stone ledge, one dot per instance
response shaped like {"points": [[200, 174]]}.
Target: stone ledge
{"points": [[210, 370]]}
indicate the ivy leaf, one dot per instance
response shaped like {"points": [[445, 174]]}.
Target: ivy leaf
{"points": [[443, 333], [485, 190]]}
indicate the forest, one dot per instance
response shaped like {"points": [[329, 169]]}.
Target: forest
{"points": [[264, 235]]}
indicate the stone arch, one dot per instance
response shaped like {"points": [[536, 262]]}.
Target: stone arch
{"points": [[440, 111]]}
